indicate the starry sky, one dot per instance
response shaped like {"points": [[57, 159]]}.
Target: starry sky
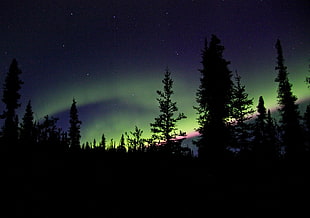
{"points": [[110, 55]]}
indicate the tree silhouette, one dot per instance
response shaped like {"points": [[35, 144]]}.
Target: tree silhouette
{"points": [[241, 111], [121, 147], [291, 129], [11, 98], [49, 136], [214, 97], [260, 122], [74, 129], [102, 144], [264, 134], [271, 138], [164, 127], [27, 132], [135, 140]]}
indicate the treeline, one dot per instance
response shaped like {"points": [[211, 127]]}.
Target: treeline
{"points": [[225, 116], [29, 135]]}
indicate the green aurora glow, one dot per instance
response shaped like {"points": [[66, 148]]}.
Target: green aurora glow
{"points": [[120, 107], [111, 55]]}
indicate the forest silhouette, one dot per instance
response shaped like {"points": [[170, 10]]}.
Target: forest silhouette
{"points": [[246, 164]]}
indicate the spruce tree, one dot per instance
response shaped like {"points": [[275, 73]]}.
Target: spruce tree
{"points": [[241, 111], [102, 144], [291, 129], [271, 138], [164, 128], [264, 134], [94, 144], [260, 122], [214, 98], [11, 98], [121, 147], [135, 140], [74, 129], [49, 136], [27, 133], [64, 141]]}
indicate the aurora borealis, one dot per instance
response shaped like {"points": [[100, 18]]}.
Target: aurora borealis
{"points": [[111, 55]]}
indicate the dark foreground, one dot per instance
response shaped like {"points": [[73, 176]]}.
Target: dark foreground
{"points": [[84, 185]]}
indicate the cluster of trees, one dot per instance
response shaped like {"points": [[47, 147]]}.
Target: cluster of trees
{"points": [[225, 118], [225, 111], [44, 135]]}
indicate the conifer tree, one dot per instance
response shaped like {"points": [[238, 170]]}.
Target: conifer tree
{"points": [[214, 98], [241, 111], [271, 138], [121, 147], [264, 134], [74, 130], [103, 142], [112, 145], [11, 98], [135, 140], [291, 129], [28, 127], [87, 146], [164, 127], [49, 136], [260, 122], [94, 144], [64, 141]]}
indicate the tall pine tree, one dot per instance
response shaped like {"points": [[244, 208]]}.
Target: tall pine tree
{"points": [[11, 98], [291, 129], [241, 111], [74, 129], [214, 98], [164, 128]]}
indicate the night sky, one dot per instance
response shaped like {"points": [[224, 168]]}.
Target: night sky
{"points": [[111, 55]]}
